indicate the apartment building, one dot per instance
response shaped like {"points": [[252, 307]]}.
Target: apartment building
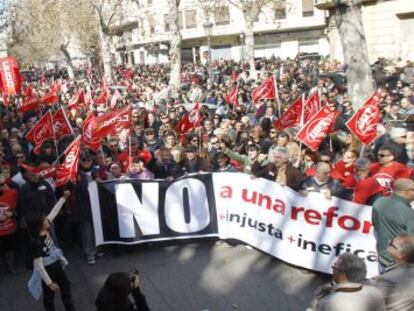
{"points": [[283, 28]]}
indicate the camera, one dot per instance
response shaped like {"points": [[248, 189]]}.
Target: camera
{"points": [[133, 275]]}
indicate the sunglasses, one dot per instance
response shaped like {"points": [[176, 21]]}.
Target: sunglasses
{"points": [[2, 185], [149, 133], [214, 142], [86, 159], [391, 243], [272, 132], [381, 155]]}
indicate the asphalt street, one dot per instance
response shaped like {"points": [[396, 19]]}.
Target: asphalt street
{"points": [[196, 275]]}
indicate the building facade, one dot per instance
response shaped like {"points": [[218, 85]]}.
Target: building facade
{"points": [[283, 29]]}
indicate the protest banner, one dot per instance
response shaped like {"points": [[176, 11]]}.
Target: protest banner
{"points": [[309, 232]]}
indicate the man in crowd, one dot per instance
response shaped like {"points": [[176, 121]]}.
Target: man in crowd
{"points": [[391, 216], [397, 282], [348, 292], [280, 170]]}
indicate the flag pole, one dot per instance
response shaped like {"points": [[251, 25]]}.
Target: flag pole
{"points": [[277, 95], [361, 153]]}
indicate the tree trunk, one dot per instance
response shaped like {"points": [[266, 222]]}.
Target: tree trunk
{"points": [[249, 42], [106, 55], [359, 74], [68, 60], [175, 44]]}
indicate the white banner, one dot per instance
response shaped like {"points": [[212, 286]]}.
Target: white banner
{"points": [[305, 231], [309, 232]]}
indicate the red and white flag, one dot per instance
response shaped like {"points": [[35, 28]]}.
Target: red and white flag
{"points": [[315, 131], [291, 117], [44, 172], [191, 119], [50, 98], [69, 168], [61, 124], [57, 85], [231, 97], [28, 92], [102, 98], [11, 81], [363, 124], [41, 131], [266, 91], [312, 106], [115, 96], [111, 122], [78, 99], [29, 103], [88, 139]]}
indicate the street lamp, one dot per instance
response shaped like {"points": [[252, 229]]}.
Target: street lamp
{"points": [[208, 28], [242, 35]]}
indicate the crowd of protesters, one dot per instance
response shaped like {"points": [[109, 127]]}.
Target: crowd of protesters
{"points": [[231, 138]]}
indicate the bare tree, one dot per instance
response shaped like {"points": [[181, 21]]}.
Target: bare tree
{"points": [[110, 14], [251, 10], [44, 31], [175, 43], [346, 16]]}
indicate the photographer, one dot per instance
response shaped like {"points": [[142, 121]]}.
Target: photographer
{"points": [[114, 296]]}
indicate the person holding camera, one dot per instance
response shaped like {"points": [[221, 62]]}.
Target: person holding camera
{"points": [[116, 292]]}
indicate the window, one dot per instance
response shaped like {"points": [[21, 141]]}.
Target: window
{"points": [[309, 46], [141, 28], [180, 20], [190, 19], [279, 7], [222, 15], [307, 8], [166, 22], [151, 24]]}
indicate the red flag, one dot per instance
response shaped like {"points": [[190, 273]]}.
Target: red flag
{"points": [[266, 91], [291, 117], [29, 103], [42, 131], [312, 106], [69, 168], [231, 97], [50, 98], [314, 132], [102, 98], [111, 122], [57, 85], [61, 124], [28, 92], [363, 124], [11, 81], [93, 143], [191, 119], [115, 96], [44, 172], [77, 99]]}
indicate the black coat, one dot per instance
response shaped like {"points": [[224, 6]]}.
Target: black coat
{"points": [[36, 200]]}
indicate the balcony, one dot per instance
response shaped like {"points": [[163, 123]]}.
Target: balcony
{"points": [[330, 4]]}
